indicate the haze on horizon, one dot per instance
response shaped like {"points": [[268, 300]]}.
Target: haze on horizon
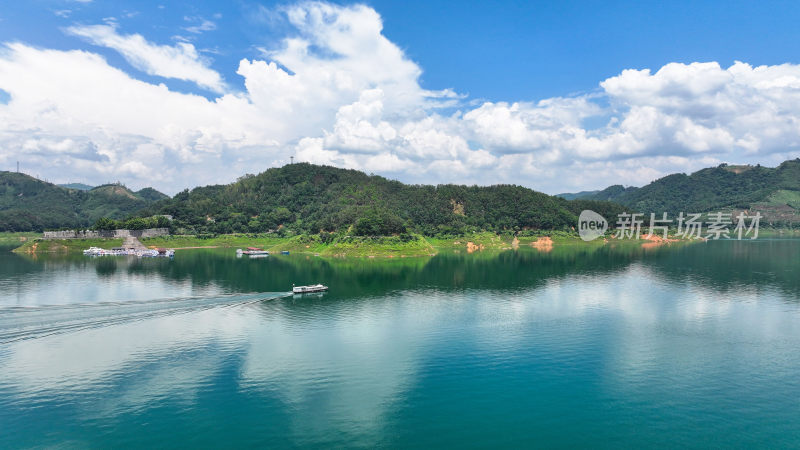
{"points": [[557, 98]]}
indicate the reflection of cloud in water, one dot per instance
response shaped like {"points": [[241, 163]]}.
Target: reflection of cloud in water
{"points": [[346, 373], [668, 330], [339, 373]]}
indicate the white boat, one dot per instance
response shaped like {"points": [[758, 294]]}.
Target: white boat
{"points": [[252, 251], [308, 289], [119, 251]]}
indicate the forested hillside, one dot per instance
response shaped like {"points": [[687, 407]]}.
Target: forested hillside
{"points": [[309, 198], [306, 198], [775, 192], [29, 204]]}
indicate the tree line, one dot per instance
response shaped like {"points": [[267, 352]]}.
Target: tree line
{"points": [[133, 223]]}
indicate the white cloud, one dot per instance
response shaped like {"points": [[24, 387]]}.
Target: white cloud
{"points": [[180, 61], [336, 91], [201, 25]]}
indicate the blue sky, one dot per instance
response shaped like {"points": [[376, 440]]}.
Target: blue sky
{"points": [[481, 92], [500, 51]]}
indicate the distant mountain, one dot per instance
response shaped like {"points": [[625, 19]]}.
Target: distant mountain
{"points": [[308, 198], [77, 186], [29, 204], [775, 192], [577, 195]]}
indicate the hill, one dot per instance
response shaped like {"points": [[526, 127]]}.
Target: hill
{"points": [[151, 195], [775, 192], [30, 204], [77, 186], [308, 198], [577, 195]]}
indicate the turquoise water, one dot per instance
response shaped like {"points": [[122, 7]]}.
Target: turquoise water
{"points": [[690, 346]]}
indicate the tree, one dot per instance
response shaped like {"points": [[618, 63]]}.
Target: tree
{"points": [[105, 224]]}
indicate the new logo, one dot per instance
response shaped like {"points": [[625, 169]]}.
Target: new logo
{"points": [[591, 225]]}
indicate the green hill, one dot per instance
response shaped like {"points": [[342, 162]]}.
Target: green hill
{"points": [[775, 192], [151, 195], [309, 198], [77, 186], [29, 204], [577, 195]]}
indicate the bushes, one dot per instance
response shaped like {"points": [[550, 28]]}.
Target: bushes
{"points": [[376, 222]]}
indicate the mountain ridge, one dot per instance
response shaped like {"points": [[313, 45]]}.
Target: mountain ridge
{"points": [[30, 204], [309, 198], [774, 192]]}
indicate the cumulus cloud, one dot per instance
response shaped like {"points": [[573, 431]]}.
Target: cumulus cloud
{"points": [[180, 61], [337, 91]]}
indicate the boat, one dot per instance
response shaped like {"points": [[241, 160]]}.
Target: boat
{"points": [[252, 251], [309, 289], [96, 251], [284, 252], [121, 251], [166, 252]]}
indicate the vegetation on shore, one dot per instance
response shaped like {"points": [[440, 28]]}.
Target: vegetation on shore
{"points": [[13, 240], [320, 244], [405, 245], [65, 245]]}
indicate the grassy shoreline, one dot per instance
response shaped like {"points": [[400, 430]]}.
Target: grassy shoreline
{"points": [[13, 240], [411, 245], [36, 246]]}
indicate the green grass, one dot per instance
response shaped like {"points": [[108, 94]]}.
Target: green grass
{"points": [[557, 236], [340, 246], [66, 245], [225, 240], [332, 245], [486, 239], [14, 240], [778, 233], [386, 246]]}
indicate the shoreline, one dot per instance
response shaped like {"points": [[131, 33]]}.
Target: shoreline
{"points": [[413, 245]]}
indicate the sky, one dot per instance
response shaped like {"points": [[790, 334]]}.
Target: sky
{"points": [[555, 96]]}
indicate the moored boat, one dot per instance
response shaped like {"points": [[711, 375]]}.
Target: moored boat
{"points": [[121, 251], [252, 251]]}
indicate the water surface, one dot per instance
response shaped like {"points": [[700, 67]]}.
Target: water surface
{"points": [[691, 345]]}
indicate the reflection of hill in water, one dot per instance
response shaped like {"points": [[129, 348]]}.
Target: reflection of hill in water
{"points": [[730, 265], [721, 265]]}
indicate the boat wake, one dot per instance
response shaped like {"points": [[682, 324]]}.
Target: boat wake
{"points": [[20, 323]]}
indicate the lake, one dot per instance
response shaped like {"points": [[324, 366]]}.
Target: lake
{"points": [[593, 346]]}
